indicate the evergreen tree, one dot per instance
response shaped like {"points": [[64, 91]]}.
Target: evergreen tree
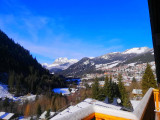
{"points": [[134, 80], [48, 113], [39, 111], [106, 85], [123, 94], [134, 85], [110, 91], [95, 89], [11, 80], [6, 103], [148, 79]]}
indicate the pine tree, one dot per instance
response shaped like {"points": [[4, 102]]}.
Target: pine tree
{"points": [[123, 94], [48, 113], [148, 79], [39, 111], [95, 89], [134, 80], [106, 85], [11, 80], [6, 103]]}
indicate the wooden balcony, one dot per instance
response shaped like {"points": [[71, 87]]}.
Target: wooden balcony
{"points": [[147, 109]]}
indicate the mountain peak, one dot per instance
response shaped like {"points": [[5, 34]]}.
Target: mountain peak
{"points": [[136, 50], [60, 63], [61, 60]]}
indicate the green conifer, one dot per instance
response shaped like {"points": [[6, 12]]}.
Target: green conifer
{"points": [[48, 113], [95, 89], [39, 111], [123, 94], [11, 80], [148, 79], [106, 85]]}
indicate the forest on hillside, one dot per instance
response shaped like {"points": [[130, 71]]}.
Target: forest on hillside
{"points": [[22, 72]]}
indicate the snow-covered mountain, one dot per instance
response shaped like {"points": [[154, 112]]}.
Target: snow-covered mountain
{"points": [[109, 60], [137, 50], [59, 64]]}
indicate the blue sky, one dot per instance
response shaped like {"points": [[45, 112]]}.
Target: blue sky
{"points": [[50, 29]]}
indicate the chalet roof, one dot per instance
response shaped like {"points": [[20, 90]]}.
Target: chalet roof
{"points": [[5, 116], [90, 106], [137, 91], [87, 107]]}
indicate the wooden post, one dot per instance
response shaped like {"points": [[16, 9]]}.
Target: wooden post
{"points": [[157, 101], [156, 98]]}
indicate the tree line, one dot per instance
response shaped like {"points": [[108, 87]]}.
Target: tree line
{"points": [[111, 90]]}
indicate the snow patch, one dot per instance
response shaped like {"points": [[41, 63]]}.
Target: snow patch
{"points": [[131, 64], [108, 65], [86, 62]]}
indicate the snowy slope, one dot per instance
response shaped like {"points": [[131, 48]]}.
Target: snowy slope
{"points": [[4, 92], [108, 61], [136, 50]]}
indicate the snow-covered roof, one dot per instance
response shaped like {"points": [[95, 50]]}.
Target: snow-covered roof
{"points": [[137, 91], [134, 103], [89, 106], [5, 116], [44, 113]]}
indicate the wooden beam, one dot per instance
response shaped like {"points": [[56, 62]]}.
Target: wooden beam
{"points": [[100, 116], [154, 10], [91, 116]]}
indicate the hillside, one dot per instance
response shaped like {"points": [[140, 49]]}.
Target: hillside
{"points": [[14, 57], [21, 71], [107, 61]]}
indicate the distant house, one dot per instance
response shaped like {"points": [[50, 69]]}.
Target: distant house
{"points": [[6, 116], [137, 93]]}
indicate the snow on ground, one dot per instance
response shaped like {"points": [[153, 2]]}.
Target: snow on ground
{"points": [[4, 92], [29, 97], [86, 62], [105, 57], [112, 65], [108, 65], [131, 64]]}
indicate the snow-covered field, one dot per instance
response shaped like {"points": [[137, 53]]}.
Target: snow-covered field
{"points": [[5, 94]]}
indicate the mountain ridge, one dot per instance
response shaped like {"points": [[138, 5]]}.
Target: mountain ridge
{"points": [[107, 61]]}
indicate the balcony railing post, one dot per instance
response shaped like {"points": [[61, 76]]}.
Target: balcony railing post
{"points": [[156, 98], [157, 101]]}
